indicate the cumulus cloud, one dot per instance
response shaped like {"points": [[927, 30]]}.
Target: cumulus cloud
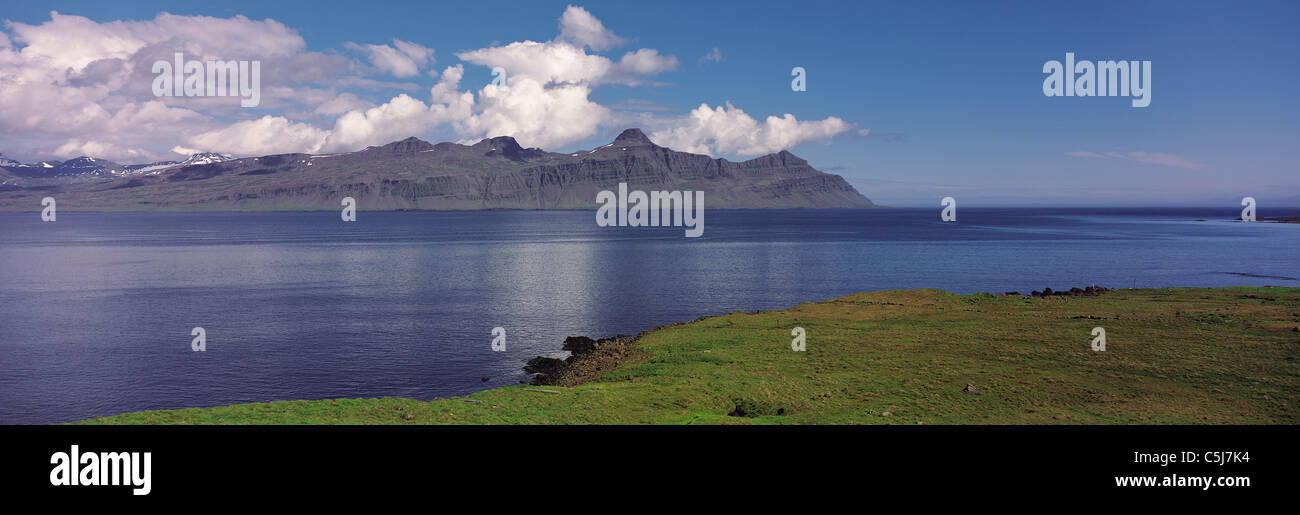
{"points": [[340, 104], [579, 27], [548, 63], [714, 55], [401, 59], [83, 87], [729, 130], [646, 61], [265, 135], [545, 100], [537, 115], [75, 86], [113, 152], [1155, 158], [402, 116]]}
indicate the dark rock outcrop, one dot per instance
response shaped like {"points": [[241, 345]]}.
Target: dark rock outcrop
{"points": [[588, 358], [1072, 292]]}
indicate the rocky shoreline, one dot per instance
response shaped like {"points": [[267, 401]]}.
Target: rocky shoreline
{"points": [[588, 358], [1089, 291]]}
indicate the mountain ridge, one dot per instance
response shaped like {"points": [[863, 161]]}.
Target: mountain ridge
{"points": [[87, 167], [493, 173]]}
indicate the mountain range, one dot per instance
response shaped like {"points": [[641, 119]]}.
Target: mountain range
{"points": [[495, 173], [86, 167]]}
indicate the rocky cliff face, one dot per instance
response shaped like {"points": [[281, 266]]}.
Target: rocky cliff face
{"points": [[495, 173]]}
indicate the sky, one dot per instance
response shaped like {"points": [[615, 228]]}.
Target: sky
{"points": [[908, 101]]}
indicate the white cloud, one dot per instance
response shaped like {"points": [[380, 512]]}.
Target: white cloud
{"points": [[151, 115], [72, 42], [341, 104], [579, 27], [543, 62], [726, 130], [265, 135], [714, 55], [402, 116], [396, 119], [538, 116], [403, 59], [646, 61], [1155, 158], [73, 85], [112, 152], [545, 100], [418, 54]]}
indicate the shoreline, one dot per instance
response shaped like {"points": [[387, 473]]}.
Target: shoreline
{"points": [[3, 210], [588, 358], [634, 379], [6, 209]]}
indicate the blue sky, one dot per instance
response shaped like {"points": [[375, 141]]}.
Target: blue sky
{"points": [[950, 91]]}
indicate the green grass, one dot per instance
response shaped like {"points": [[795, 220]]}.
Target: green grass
{"points": [[1173, 356]]}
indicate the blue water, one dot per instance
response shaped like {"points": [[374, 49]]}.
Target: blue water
{"points": [[96, 309]]}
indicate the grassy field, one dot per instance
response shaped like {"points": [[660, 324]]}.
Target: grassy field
{"points": [[1173, 356]]}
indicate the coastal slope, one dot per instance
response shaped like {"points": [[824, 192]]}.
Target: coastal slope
{"points": [[1173, 356], [495, 173]]}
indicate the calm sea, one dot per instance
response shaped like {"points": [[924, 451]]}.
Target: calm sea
{"points": [[96, 310]]}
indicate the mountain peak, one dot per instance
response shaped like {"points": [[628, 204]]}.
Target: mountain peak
{"points": [[408, 145], [507, 147], [505, 143], [633, 136]]}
